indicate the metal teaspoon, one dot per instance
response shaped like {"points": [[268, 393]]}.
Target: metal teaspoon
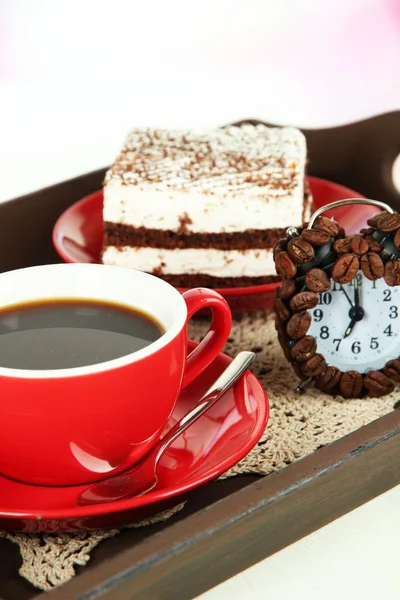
{"points": [[142, 478]]}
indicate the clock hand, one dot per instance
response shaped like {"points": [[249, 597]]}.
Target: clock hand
{"points": [[356, 312], [356, 295], [350, 327], [347, 296]]}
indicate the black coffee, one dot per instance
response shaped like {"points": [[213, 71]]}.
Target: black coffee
{"points": [[63, 333]]}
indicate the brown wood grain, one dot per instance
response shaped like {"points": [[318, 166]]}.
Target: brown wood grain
{"points": [[26, 223], [233, 534]]}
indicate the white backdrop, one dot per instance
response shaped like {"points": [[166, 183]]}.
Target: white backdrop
{"points": [[75, 75]]}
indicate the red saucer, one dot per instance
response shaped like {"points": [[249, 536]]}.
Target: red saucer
{"points": [[78, 234], [211, 446]]}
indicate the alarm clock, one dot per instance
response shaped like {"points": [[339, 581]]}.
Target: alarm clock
{"points": [[338, 308]]}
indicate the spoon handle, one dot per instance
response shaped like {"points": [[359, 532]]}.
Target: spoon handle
{"points": [[237, 367]]}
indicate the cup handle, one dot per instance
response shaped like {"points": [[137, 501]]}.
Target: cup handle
{"points": [[203, 355]]}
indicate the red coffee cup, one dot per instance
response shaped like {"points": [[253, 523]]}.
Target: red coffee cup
{"points": [[77, 425]]}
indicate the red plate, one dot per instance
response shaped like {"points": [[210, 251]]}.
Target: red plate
{"points": [[212, 445], [78, 235]]}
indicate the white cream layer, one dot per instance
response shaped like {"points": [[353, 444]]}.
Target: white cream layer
{"points": [[212, 213], [217, 263]]}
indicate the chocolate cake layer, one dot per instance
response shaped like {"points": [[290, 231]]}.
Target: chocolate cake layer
{"points": [[118, 234], [202, 280]]}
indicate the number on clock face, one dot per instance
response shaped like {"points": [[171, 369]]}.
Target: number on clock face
{"points": [[373, 339]]}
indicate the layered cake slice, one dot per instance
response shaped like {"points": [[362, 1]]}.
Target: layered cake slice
{"points": [[205, 208]]}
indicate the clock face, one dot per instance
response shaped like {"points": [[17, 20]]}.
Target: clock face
{"points": [[357, 325]]}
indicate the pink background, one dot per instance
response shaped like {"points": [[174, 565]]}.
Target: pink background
{"points": [[75, 75]]}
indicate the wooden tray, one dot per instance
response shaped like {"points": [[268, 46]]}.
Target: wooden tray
{"points": [[226, 526]]}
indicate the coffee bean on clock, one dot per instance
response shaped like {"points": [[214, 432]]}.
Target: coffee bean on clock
{"points": [[298, 325], [342, 246], [280, 246], [372, 266], [345, 268], [351, 383], [359, 245], [327, 225], [328, 379], [377, 384], [304, 349], [392, 272], [367, 230], [341, 233], [316, 237], [281, 328], [317, 280], [287, 289], [396, 239], [389, 223], [303, 301], [392, 370], [374, 245], [284, 345], [299, 371], [373, 221], [314, 366], [300, 250], [281, 310], [285, 266]]}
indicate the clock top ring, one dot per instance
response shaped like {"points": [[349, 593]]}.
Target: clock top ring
{"points": [[337, 308], [338, 203]]}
